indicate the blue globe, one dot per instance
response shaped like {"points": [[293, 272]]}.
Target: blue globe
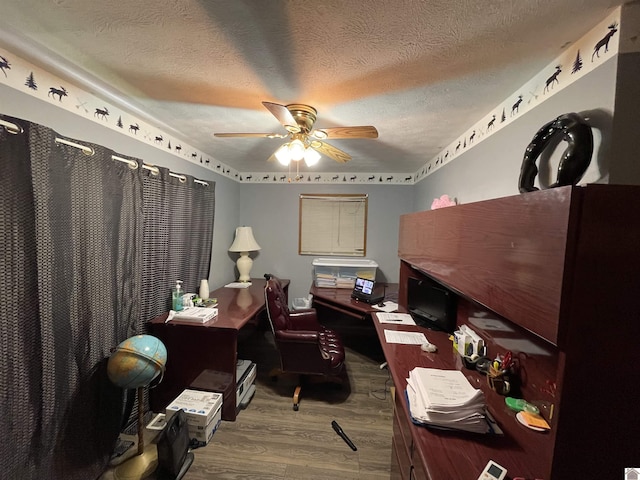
{"points": [[137, 361]]}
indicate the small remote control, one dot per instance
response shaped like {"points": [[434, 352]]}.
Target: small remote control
{"points": [[493, 471]]}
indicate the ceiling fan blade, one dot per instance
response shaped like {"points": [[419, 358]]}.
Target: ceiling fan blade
{"points": [[283, 115], [260, 135], [346, 132], [331, 151]]}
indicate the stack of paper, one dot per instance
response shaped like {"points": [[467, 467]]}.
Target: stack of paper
{"points": [[325, 280], [446, 399], [345, 282], [196, 314]]}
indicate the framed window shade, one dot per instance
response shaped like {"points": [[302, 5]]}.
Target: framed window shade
{"points": [[333, 224]]}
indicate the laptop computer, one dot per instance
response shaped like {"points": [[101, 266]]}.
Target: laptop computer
{"points": [[365, 291]]}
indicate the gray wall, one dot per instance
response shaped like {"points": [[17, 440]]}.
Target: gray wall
{"points": [[492, 167], [272, 212]]}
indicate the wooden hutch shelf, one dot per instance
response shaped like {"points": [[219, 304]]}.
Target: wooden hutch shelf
{"points": [[559, 270]]}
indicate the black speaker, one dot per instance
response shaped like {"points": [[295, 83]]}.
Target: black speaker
{"points": [[174, 458]]}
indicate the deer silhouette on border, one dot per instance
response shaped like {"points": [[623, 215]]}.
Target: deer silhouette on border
{"points": [[604, 42]]}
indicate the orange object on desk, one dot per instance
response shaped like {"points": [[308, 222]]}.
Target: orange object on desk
{"points": [[534, 420]]}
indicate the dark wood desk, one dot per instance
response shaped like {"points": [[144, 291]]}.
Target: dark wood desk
{"points": [[193, 348], [558, 268], [350, 318], [425, 453], [339, 300]]}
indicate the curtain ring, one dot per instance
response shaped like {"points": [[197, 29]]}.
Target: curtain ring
{"points": [[88, 151], [133, 165], [12, 128]]}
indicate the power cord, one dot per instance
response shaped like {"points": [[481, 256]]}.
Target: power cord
{"points": [[381, 394]]}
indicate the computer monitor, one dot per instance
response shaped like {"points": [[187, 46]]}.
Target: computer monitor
{"points": [[431, 305], [365, 290]]}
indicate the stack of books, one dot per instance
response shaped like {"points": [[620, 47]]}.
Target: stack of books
{"points": [[445, 399]]}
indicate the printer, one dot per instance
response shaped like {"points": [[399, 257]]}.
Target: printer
{"points": [[246, 382]]}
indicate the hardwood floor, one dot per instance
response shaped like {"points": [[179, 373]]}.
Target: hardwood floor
{"points": [[270, 441]]}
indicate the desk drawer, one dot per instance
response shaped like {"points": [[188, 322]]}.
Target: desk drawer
{"points": [[402, 442], [399, 466], [401, 426]]}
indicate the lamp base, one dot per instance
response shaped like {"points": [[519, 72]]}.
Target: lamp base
{"points": [[244, 264]]}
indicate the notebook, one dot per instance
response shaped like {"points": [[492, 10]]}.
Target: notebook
{"points": [[365, 291]]}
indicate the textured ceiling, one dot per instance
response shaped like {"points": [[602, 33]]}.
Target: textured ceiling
{"points": [[422, 72]]}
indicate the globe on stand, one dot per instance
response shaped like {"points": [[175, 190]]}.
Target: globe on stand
{"points": [[134, 364]]}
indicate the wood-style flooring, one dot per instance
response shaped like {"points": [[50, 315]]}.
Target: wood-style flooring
{"points": [[271, 441]]}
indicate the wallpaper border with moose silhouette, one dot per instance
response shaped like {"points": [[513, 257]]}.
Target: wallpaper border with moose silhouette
{"points": [[597, 46], [578, 59]]}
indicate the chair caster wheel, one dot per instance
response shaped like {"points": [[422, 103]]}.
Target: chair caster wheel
{"points": [[295, 407]]}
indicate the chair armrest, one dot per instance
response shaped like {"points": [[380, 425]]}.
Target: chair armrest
{"points": [[297, 336], [304, 319]]}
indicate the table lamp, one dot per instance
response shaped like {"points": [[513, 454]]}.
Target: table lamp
{"points": [[244, 243]]}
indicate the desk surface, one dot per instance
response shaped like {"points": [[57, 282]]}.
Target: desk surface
{"points": [[236, 306], [460, 455], [341, 297]]}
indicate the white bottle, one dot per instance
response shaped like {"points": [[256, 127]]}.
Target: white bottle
{"points": [[204, 289]]}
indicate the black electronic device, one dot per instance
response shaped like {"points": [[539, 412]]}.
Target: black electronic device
{"points": [[366, 290], [174, 458], [431, 305]]}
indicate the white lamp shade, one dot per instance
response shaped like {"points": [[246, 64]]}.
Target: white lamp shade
{"points": [[283, 155], [311, 157], [244, 241], [296, 149]]}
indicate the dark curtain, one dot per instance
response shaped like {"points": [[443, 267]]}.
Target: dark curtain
{"points": [[177, 238], [178, 234], [80, 275], [70, 227]]}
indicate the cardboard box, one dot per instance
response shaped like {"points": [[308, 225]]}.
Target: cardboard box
{"points": [[200, 407], [204, 434]]}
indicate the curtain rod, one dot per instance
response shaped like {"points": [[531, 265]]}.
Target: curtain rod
{"points": [[16, 129], [153, 169]]}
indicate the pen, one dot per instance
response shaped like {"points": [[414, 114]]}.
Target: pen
{"points": [[339, 431]]}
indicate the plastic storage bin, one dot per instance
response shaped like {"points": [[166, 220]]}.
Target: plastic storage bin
{"points": [[342, 272]]}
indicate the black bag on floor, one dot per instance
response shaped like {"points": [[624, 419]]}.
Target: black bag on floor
{"points": [[174, 458]]}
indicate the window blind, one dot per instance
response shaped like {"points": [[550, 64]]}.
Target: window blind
{"points": [[333, 224]]}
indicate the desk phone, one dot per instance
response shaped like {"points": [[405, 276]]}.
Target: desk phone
{"points": [[493, 471]]}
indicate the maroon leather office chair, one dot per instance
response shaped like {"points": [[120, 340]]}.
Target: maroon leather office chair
{"points": [[305, 346]]}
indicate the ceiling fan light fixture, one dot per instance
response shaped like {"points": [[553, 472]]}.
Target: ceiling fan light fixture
{"points": [[320, 134], [296, 150], [311, 157], [283, 155]]}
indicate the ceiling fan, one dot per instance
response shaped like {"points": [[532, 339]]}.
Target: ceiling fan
{"points": [[305, 141]]}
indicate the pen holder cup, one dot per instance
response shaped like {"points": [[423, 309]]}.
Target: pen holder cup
{"points": [[499, 382]]}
